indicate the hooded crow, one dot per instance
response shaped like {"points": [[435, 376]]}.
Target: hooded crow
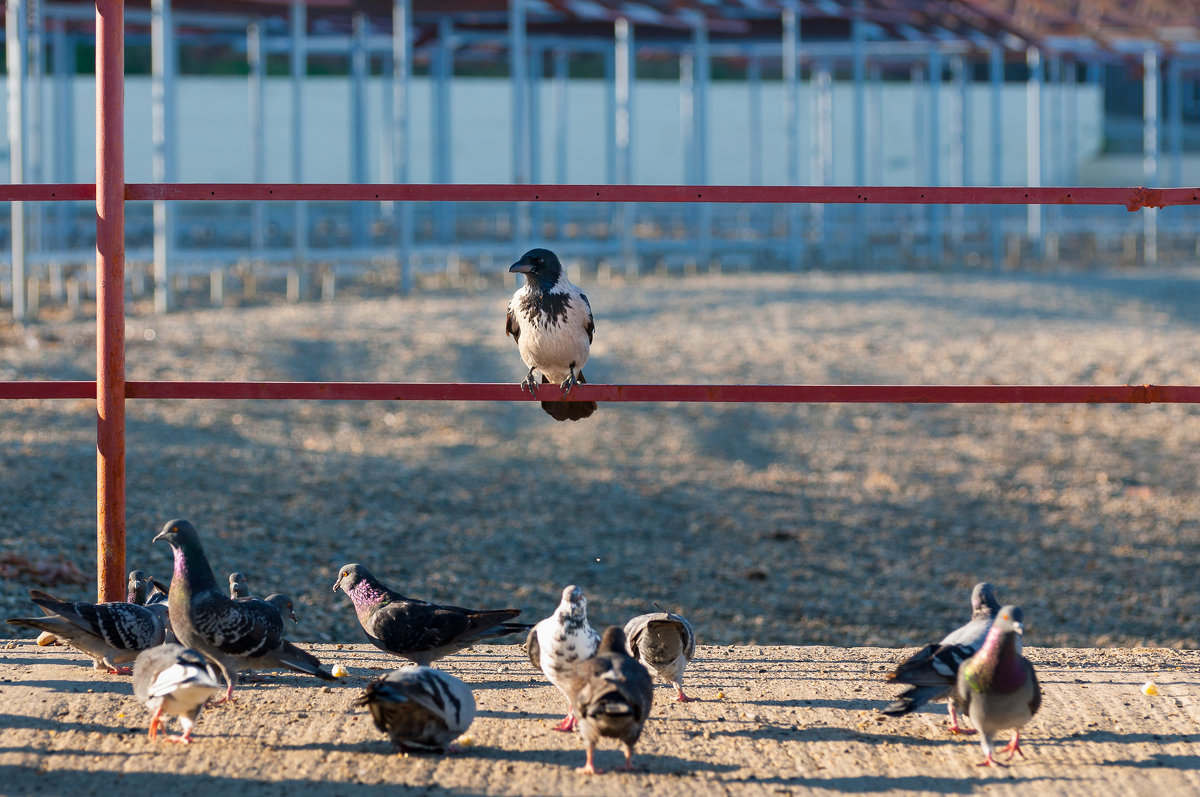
{"points": [[551, 321]]}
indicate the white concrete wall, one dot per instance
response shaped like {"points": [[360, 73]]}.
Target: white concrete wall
{"points": [[214, 144]]}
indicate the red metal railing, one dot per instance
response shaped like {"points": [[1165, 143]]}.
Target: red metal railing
{"points": [[1132, 198], [715, 394]]}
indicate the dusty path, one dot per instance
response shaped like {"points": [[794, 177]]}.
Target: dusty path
{"points": [[770, 720]]}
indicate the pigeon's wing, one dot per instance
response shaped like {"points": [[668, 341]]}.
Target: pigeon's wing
{"points": [[123, 626], [932, 665], [1035, 700], [238, 628], [438, 692], [533, 650], [416, 625]]}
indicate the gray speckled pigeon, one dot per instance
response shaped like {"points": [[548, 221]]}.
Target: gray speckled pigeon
{"points": [[611, 694], [414, 629], [238, 588], [144, 590], [420, 708], [664, 643], [174, 680], [111, 633], [233, 635], [932, 671], [997, 687], [561, 640]]}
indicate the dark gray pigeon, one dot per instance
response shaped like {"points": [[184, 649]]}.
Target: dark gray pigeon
{"points": [[664, 643], [551, 321], [611, 693], [931, 672], [232, 634], [172, 679], [238, 588], [420, 708], [997, 687], [561, 640], [416, 630], [111, 633], [283, 604]]}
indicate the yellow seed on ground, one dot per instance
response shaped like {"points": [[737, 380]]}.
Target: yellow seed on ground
{"points": [[1149, 688], [339, 671]]}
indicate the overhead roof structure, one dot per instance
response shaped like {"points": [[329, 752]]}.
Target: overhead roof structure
{"points": [[1085, 28]]}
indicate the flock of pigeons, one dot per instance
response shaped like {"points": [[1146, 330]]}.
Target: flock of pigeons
{"points": [[606, 680], [180, 637]]}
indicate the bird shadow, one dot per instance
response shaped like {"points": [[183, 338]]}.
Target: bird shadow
{"points": [[849, 705], [1161, 760], [21, 721], [78, 687], [1123, 738], [867, 784]]}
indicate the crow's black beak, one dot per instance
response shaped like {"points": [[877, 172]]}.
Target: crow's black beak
{"points": [[521, 267]]}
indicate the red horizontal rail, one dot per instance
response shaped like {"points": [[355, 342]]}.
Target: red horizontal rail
{"points": [[422, 391], [1132, 198]]}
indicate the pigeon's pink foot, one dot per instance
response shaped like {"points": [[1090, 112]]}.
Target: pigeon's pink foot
{"points": [[120, 671], [1014, 747], [682, 698], [590, 767], [989, 762], [956, 728], [154, 723], [184, 739], [567, 725]]}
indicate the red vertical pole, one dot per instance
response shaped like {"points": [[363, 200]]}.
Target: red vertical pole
{"points": [[110, 299]]}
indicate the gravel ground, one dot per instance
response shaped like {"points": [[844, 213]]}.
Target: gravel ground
{"points": [[769, 721], [774, 525]]}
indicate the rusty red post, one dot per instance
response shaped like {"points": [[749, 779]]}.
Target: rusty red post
{"points": [[110, 300]]}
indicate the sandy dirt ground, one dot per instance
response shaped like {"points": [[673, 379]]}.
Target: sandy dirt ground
{"points": [[768, 721]]}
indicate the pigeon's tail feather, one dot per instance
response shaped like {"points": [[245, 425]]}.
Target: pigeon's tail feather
{"points": [[916, 663], [914, 697], [38, 624], [569, 410], [299, 660]]}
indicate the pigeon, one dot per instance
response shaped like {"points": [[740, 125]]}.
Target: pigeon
{"points": [[664, 643], [422, 709], [560, 641], [111, 633], [238, 588], [283, 604], [997, 687], [551, 321], [144, 590], [233, 635], [931, 671], [414, 629], [175, 680], [611, 694]]}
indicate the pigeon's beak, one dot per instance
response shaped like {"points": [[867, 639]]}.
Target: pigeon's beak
{"points": [[337, 584], [1019, 627], [159, 536], [521, 267]]}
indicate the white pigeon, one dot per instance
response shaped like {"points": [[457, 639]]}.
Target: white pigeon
{"points": [[664, 643], [420, 708], [175, 680], [556, 644]]}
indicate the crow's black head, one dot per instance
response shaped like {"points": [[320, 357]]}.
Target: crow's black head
{"points": [[538, 265]]}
